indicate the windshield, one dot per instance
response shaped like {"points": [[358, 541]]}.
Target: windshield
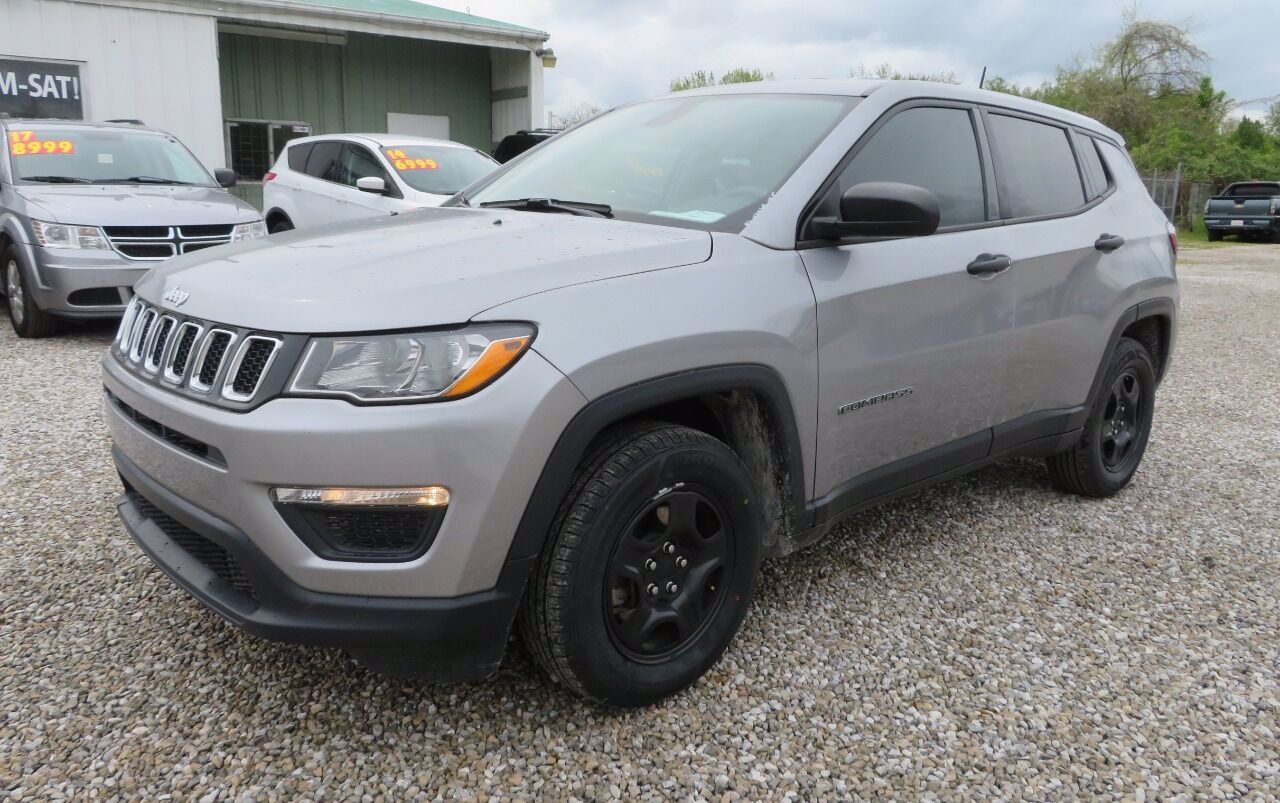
{"points": [[75, 154], [438, 169], [704, 162]]}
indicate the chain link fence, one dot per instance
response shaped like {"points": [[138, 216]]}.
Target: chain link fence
{"points": [[1182, 201]]}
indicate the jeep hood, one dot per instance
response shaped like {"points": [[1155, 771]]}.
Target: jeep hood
{"points": [[138, 205], [423, 268]]}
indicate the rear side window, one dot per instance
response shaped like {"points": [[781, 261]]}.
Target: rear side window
{"points": [[1035, 167], [298, 157], [1091, 160], [934, 148], [323, 161]]}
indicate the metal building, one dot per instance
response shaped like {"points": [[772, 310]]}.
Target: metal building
{"points": [[236, 79]]}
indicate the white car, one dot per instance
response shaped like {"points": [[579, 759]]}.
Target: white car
{"points": [[331, 178]]}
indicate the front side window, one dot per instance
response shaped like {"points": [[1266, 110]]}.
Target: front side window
{"points": [[54, 154], [706, 162], [1035, 167], [933, 148], [358, 163]]}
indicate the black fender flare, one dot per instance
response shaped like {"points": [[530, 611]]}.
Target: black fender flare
{"points": [[600, 413], [1162, 307]]}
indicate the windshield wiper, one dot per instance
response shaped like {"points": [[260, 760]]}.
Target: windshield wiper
{"points": [[58, 179], [552, 205], [143, 180]]}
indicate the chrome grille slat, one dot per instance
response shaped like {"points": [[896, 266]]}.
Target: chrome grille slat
{"points": [[252, 361], [184, 343], [208, 362], [159, 339], [138, 338]]}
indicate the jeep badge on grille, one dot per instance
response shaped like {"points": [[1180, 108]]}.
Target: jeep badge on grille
{"points": [[177, 297]]}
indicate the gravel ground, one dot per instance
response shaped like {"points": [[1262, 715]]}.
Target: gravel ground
{"points": [[988, 637]]}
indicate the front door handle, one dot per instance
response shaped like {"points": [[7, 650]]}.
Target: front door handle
{"points": [[989, 264], [1108, 243]]}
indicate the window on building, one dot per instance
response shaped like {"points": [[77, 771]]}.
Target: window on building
{"points": [[1036, 168], [934, 148], [254, 145]]}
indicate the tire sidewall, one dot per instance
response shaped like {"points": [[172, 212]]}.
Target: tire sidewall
{"points": [[29, 310], [594, 654], [1129, 354]]}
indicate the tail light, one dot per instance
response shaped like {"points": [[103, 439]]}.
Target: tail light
{"points": [[269, 176], [1173, 238]]}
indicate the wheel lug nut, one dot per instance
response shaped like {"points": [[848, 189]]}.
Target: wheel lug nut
{"points": [[652, 590], [650, 565], [672, 588], [669, 547], [682, 562]]}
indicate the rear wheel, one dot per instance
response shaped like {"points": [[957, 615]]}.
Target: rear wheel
{"points": [[650, 568], [1214, 236], [25, 315], [1115, 434]]}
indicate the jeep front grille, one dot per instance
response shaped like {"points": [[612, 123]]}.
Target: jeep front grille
{"points": [[204, 360]]}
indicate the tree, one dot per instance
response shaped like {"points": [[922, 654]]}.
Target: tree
{"points": [[1153, 56], [700, 78], [578, 114], [1250, 135], [887, 72], [1273, 119]]}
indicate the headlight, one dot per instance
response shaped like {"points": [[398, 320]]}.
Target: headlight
{"points": [[249, 231], [60, 235], [418, 366]]}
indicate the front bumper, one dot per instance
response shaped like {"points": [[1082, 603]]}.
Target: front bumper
{"points": [[82, 284], [444, 640]]}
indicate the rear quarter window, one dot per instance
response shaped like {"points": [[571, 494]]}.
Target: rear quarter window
{"points": [[298, 157], [1094, 170], [1035, 167]]}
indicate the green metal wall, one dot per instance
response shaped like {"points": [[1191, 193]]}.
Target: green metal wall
{"points": [[351, 88]]}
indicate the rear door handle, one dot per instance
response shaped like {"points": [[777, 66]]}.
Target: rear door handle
{"points": [[989, 264], [1108, 243]]}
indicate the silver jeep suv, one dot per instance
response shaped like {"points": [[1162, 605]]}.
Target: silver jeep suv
{"points": [[587, 397], [87, 208]]}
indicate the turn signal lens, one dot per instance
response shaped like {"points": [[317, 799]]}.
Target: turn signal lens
{"points": [[427, 496], [495, 359]]}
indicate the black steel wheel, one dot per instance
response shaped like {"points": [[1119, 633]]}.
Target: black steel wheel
{"points": [[1116, 431], [666, 577], [649, 568]]}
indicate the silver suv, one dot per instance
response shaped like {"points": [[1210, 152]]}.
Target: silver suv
{"points": [[87, 208], [586, 398]]}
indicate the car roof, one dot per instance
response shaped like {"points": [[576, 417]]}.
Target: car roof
{"points": [[21, 121], [379, 140], [907, 90]]}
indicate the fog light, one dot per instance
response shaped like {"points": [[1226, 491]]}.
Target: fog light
{"points": [[428, 496]]}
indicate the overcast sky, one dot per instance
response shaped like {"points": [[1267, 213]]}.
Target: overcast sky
{"points": [[612, 51]]}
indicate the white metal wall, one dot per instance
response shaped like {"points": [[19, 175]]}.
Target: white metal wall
{"points": [[511, 69], [155, 66]]}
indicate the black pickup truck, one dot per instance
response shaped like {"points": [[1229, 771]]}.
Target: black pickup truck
{"points": [[1245, 208]]}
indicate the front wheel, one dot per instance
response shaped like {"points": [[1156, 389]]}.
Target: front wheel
{"points": [[650, 566], [1115, 434], [26, 316]]}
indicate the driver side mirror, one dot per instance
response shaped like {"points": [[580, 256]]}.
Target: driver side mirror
{"points": [[373, 184], [225, 177], [882, 209]]}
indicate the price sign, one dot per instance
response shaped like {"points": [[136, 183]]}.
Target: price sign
{"points": [[25, 143], [402, 161]]}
